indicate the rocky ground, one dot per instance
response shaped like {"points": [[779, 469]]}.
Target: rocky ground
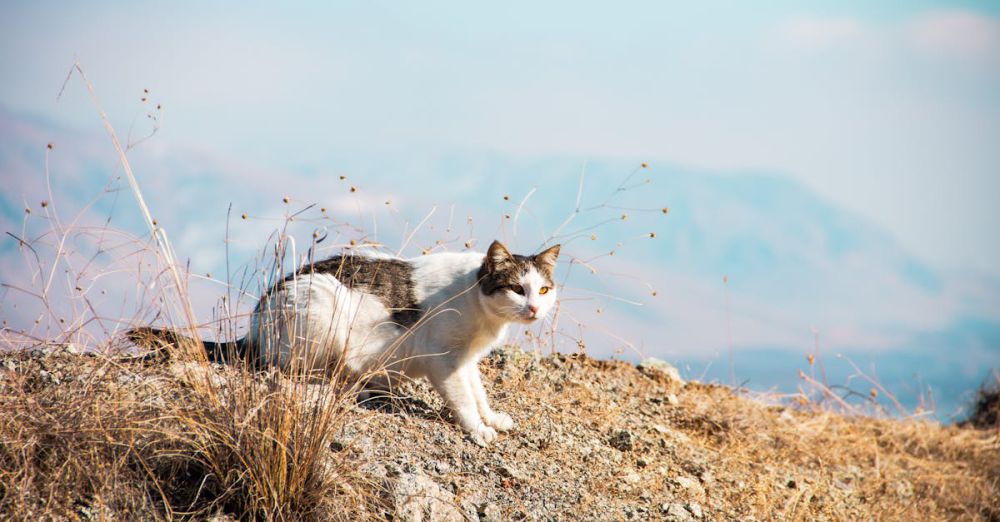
{"points": [[594, 440]]}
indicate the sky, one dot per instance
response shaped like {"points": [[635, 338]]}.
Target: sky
{"points": [[891, 110], [864, 135]]}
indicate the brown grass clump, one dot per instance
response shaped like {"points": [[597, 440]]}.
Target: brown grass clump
{"points": [[130, 438], [74, 449]]}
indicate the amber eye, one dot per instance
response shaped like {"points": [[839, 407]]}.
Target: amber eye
{"points": [[543, 290], [517, 289]]}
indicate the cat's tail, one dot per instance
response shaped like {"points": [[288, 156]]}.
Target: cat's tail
{"points": [[158, 339]]}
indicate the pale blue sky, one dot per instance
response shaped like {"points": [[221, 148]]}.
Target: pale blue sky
{"points": [[890, 109]]}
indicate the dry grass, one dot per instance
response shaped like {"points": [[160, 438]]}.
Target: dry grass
{"points": [[139, 438], [130, 438]]}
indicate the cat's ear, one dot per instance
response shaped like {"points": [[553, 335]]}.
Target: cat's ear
{"points": [[547, 258], [497, 256]]}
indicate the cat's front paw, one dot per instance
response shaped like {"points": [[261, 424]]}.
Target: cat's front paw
{"points": [[483, 435], [500, 421]]}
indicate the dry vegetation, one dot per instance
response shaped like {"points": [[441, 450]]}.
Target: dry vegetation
{"points": [[985, 412], [86, 436], [127, 437]]}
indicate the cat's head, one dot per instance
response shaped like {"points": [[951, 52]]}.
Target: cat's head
{"points": [[518, 288]]}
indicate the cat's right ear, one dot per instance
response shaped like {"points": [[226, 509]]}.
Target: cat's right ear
{"points": [[497, 256]]}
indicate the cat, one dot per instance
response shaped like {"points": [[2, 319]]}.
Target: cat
{"points": [[433, 316]]}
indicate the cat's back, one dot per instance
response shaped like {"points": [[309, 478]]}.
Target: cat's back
{"points": [[404, 286], [390, 279], [447, 272]]}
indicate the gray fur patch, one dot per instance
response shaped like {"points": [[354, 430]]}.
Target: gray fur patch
{"points": [[391, 280], [496, 276]]}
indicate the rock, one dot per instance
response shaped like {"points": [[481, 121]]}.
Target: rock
{"points": [[490, 512], [695, 509], [439, 467], [622, 440], [196, 372], [686, 482], [676, 512], [127, 378], [651, 366], [693, 486], [417, 498], [631, 477], [508, 471]]}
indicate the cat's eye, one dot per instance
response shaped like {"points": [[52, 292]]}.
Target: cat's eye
{"points": [[543, 290], [517, 289]]}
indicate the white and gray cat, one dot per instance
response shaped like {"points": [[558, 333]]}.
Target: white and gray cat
{"points": [[433, 316]]}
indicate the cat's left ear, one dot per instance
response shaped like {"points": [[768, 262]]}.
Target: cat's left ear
{"points": [[498, 257], [547, 259]]}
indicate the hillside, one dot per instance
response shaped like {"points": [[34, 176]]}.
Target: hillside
{"points": [[94, 437]]}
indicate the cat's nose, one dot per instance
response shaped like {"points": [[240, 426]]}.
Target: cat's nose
{"points": [[533, 308]]}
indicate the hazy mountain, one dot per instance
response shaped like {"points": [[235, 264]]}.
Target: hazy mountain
{"points": [[795, 264]]}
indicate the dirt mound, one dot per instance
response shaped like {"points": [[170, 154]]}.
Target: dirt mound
{"points": [[595, 440]]}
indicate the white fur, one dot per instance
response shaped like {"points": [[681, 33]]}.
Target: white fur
{"points": [[316, 322]]}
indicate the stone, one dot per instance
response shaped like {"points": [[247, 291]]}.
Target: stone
{"points": [[651, 366], [417, 498], [622, 440], [695, 509], [691, 485], [508, 471], [686, 482], [490, 512], [675, 512]]}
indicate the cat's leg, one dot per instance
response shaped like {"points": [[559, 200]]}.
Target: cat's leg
{"points": [[495, 419], [454, 386]]}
